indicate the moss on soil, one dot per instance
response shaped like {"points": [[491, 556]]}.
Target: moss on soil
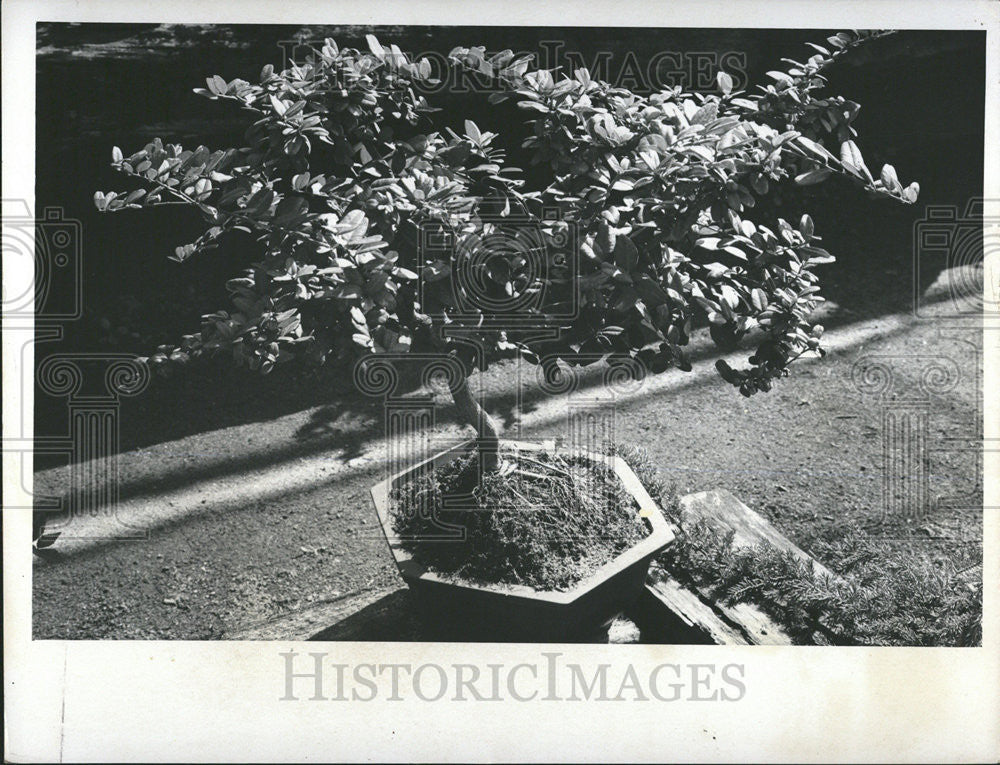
{"points": [[544, 520], [884, 597]]}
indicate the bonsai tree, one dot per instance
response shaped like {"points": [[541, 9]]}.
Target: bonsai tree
{"points": [[378, 233]]}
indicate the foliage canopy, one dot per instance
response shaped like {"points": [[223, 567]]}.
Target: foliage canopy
{"points": [[379, 234]]}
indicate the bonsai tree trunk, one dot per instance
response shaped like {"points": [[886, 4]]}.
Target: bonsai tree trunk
{"points": [[471, 412]]}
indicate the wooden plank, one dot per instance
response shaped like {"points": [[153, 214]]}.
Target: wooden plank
{"points": [[668, 612], [724, 511], [694, 612], [759, 628]]}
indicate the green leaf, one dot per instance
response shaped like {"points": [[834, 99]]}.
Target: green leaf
{"points": [[362, 339], [278, 105], [183, 252], [850, 155], [817, 255], [348, 292], [760, 183], [588, 253], [911, 192], [435, 272], [295, 108], [651, 292], [810, 177], [472, 131], [725, 83], [716, 270], [289, 208], [538, 107], [889, 179], [605, 238], [708, 112], [730, 298], [727, 373], [217, 85], [260, 201], [375, 46], [806, 227], [626, 254], [701, 151], [815, 148]]}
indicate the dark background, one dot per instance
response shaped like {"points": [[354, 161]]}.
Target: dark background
{"points": [[922, 97]]}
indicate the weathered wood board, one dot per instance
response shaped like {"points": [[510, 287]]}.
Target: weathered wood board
{"points": [[668, 612], [724, 511], [705, 618]]}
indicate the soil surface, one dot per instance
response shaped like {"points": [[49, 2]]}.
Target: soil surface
{"points": [[541, 520]]}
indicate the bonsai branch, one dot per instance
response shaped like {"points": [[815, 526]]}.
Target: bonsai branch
{"points": [[471, 412]]}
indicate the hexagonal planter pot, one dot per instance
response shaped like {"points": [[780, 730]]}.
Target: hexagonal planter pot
{"points": [[517, 612]]}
